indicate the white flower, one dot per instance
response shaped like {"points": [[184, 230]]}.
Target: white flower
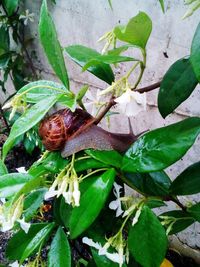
{"points": [[131, 103], [15, 264], [27, 17], [76, 193], [21, 170], [24, 225], [136, 217], [93, 103], [51, 193], [68, 197], [116, 204], [115, 257]]}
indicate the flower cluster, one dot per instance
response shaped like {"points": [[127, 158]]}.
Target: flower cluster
{"points": [[67, 185]]}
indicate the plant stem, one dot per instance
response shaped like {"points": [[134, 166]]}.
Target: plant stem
{"points": [[105, 110], [148, 88], [142, 68], [175, 200]]}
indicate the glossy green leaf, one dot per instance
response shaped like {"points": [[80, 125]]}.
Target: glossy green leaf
{"points": [[59, 254], [194, 211], [162, 4], [3, 168], [152, 184], [109, 157], [188, 182], [10, 5], [51, 45], [108, 59], [37, 91], [154, 203], [32, 203], [54, 162], [11, 183], [119, 50], [176, 86], [195, 52], [81, 93], [87, 164], [136, 32], [4, 39], [82, 54], [181, 220], [160, 148], [147, 240], [27, 120], [28, 244], [94, 198]]}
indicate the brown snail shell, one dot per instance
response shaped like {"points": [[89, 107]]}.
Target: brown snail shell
{"points": [[74, 131]]}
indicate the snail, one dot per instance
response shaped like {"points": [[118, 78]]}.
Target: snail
{"points": [[71, 132]]}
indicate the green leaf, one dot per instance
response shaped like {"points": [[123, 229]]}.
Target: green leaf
{"points": [[11, 183], [81, 93], [188, 182], [109, 157], [54, 162], [195, 52], [136, 32], [3, 168], [194, 211], [32, 203], [181, 220], [27, 120], [87, 164], [51, 45], [147, 240], [108, 59], [117, 51], [4, 39], [28, 244], [4, 60], [162, 5], [59, 254], [82, 54], [11, 6], [152, 184], [94, 198], [37, 91], [160, 148], [176, 86]]}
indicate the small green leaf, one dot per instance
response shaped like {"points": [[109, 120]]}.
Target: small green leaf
{"points": [[188, 182], [28, 244], [162, 5], [51, 45], [160, 148], [195, 52], [109, 157], [11, 183], [3, 168], [32, 203], [194, 211], [37, 91], [147, 240], [81, 93], [136, 32], [87, 164], [181, 220], [176, 86], [82, 54], [94, 197], [59, 254], [4, 39], [152, 184], [27, 120], [11, 6]]}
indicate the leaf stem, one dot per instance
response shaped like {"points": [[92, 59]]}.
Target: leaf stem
{"points": [[142, 68]]}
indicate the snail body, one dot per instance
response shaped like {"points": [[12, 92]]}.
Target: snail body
{"points": [[71, 132]]}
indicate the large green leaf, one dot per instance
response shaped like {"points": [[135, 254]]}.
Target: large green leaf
{"points": [[11, 183], [160, 148], [195, 52], [182, 220], [137, 31], [177, 85], [37, 91], [27, 244], [51, 45], [147, 240], [188, 182], [152, 184], [82, 54], [93, 197], [10, 5], [32, 203], [27, 120], [194, 211], [109, 157], [59, 254], [3, 168]]}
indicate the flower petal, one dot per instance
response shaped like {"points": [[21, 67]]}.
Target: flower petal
{"points": [[24, 225]]}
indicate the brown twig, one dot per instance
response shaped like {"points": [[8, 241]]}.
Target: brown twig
{"points": [[148, 88], [110, 104]]}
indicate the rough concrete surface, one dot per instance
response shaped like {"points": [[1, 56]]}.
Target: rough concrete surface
{"points": [[84, 21]]}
